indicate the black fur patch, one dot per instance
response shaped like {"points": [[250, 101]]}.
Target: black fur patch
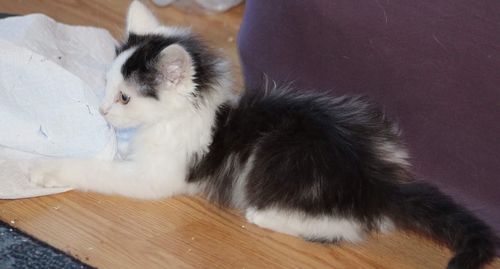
{"points": [[325, 241], [421, 207], [318, 155], [142, 64], [212, 165]]}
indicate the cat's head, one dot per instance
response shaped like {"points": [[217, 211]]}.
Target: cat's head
{"points": [[160, 73]]}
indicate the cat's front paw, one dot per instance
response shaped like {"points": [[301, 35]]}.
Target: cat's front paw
{"points": [[49, 174]]}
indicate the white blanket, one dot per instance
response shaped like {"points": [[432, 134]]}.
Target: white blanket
{"points": [[52, 77]]}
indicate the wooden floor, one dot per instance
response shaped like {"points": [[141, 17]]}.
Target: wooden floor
{"points": [[115, 232]]}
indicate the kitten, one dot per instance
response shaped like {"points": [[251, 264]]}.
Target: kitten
{"points": [[304, 164]]}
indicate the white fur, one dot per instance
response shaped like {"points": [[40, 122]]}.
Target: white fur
{"points": [[386, 225], [171, 130], [140, 20], [309, 227], [238, 197], [393, 153]]}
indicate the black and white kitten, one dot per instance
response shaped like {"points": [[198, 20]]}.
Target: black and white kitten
{"points": [[304, 164]]}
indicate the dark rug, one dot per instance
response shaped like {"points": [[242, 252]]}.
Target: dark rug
{"points": [[19, 250], [4, 15]]}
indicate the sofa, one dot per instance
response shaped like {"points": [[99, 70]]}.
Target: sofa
{"points": [[433, 66]]}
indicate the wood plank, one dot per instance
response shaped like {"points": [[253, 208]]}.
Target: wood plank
{"points": [[183, 232]]}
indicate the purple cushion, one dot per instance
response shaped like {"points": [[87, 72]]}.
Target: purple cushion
{"points": [[434, 66]]}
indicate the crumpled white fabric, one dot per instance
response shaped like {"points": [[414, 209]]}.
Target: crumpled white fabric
{"points": [[52, 77]]}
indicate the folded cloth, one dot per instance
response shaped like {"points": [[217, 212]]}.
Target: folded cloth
{"points": [[52, 77]]}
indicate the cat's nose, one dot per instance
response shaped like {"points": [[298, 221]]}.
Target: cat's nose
{"points": [[102, 111]]}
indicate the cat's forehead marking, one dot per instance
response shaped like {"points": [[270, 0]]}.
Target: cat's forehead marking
{"points": [[114, 75], [148, 48], [140, 65]]}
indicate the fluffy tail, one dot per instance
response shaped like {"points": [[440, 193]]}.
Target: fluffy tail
{"points": [[422, 207]]}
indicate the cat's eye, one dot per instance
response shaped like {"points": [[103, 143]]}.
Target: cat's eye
{"points": [[123, 98]]}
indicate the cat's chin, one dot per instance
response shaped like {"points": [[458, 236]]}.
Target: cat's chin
{"points": [[118, 126], [121, 124]]}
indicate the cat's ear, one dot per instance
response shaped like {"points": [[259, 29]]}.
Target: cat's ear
{"points": [[174, 65], [140, 20]]}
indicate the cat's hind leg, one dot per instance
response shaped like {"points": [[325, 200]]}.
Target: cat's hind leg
{"points": [[316, 228]]}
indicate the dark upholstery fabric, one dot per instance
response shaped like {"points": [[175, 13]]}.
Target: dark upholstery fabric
{"points": [[434, 66], [5, 15]]}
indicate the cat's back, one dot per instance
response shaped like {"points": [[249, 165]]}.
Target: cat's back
{"points": [[318, 114], [285, 124]]}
